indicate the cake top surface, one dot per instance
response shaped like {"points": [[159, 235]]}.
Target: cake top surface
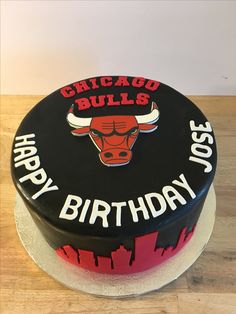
{"points": [[110, 155]]}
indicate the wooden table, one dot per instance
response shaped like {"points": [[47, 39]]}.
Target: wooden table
{"points": [[209, 286]]}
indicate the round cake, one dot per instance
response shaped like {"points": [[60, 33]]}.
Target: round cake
{"points": [[114, 171]]}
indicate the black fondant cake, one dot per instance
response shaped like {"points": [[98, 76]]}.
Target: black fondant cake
{"points": [[114, 171]]}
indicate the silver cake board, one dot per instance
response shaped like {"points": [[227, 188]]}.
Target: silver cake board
{"points": [[114, 285]]}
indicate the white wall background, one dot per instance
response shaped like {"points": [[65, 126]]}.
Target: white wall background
{"points": [[189, 45]]}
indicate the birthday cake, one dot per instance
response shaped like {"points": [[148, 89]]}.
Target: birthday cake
{"points": [[114, 171]]}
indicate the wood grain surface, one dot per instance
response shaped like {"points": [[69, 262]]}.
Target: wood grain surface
{"points": [[209, 286]]}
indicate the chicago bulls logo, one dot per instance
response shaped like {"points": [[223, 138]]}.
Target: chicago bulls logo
{"points": [[114, 136]]}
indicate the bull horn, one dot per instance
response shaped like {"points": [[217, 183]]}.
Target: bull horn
{"points": [[77, 122], [151, 117]]}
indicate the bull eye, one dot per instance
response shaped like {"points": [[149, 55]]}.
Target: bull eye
{"points": [[133, 131], [95, 133]]}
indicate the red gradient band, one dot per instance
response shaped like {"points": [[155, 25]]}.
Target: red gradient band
{"points": [[146, 255]]}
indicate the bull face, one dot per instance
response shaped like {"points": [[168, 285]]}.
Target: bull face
{"points": [[114, 136]]}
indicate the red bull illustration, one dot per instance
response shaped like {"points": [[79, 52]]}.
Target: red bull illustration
{"points": [[114, 136]]}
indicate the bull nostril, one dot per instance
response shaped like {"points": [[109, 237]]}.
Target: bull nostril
{"points": [[122, 154], [108, 155]]}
